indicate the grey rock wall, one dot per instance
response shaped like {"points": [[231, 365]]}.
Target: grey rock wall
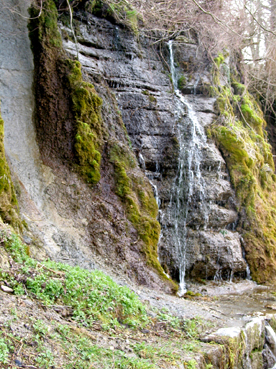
{"points": [[138, 75], [136, 72]]}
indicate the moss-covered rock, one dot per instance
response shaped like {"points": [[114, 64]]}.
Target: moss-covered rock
{"points": [[71, 130], [141, 207], [88, 139], [8, 201], [240, 135]]}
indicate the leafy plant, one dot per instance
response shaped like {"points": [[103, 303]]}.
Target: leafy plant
{"points": [[4, 351]]}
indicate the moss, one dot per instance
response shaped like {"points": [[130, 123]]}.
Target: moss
{"points": [[82, 98], [123, 12], [219, 60], [239, 88], [140, 204], [8, 201], [239, 133], [86, 105], [181, 83], [46, 27]]}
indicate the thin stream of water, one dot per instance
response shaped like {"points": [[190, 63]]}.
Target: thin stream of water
{"points": [[189, 186]]}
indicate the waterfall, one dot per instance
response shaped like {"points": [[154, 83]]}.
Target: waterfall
{"points": [[188, 190]]}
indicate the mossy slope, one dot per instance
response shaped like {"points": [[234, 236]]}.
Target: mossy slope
{"points": [[240, 134]]}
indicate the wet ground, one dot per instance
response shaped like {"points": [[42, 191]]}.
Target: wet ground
{"points": [[223, 303]]}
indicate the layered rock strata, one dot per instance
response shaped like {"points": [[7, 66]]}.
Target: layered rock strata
{"points": [[137, 73]]}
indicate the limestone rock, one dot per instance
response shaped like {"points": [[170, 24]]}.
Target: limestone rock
{"points": [[6, 289]]}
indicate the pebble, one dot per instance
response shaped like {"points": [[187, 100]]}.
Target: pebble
{"points": [[272, 307], [18, 363], [6, 289]]}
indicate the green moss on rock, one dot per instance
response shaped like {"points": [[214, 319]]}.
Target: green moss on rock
{"points": [[86, 106], [181, 83], [239, 133], [8, 201], [45, 25], [219, 59], [141, 208]]}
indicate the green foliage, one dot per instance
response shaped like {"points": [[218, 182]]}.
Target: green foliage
{"points": [[86, 106], [122, 11], [8, 201], [92, 296], [181, 83], [147, 351], [44, 28], [173, 321], [239, 133], [4, 351], [191, 364], [83, 354], [219, 60], [239, 88]]}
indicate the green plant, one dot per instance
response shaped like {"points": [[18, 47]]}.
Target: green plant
{"points": [[45, 358], [8, 201], [191, 364], [91, 295], [181, 83], [4, 351]]}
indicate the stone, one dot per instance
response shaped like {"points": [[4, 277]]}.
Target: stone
{"points": [[6, 289], [60, 220], [4, 259], [270, 337], [144, 96]]}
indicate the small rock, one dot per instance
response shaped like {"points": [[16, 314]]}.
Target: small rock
{"points": [[6, 289], [272, 307], [145, 330], [18, 363]]}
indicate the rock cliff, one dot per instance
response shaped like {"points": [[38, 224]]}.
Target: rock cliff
{"points": [[91, 148], [138, 75]]}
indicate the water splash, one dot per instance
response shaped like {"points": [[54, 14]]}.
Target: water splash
{"points": [[188, 190]]}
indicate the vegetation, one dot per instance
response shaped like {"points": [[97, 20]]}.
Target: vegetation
{"points": [[85, 310], [241, 136], [85, 102], [86, 106], [140, 203], [8, 201], [45, 25], [181, 82]]}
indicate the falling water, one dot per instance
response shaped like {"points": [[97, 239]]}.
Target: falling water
{"points": [[188, 191]]}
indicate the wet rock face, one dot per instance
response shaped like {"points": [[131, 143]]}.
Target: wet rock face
{"points": [[139, 78]]}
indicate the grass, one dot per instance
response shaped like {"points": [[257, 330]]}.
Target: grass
{"points": [[98, 315], [91, 296]]}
